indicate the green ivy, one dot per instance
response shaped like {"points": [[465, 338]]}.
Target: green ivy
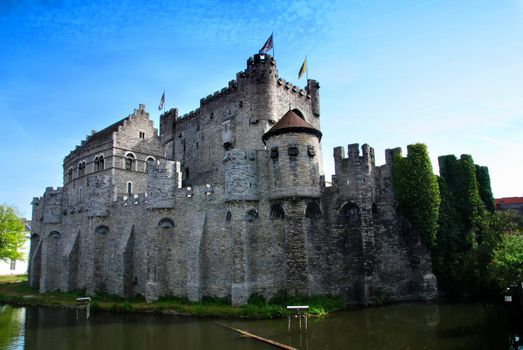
{"points": [[417, 191]]}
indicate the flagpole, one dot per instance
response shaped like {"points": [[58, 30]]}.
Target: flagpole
{"points": [[164, 101]]}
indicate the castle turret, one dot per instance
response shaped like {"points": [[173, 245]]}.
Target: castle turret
{"points": [[99, 195], [52, 205], [240, 175], [293, 146], [162, 179], [313, 88], [258, 82], [168, 131]]}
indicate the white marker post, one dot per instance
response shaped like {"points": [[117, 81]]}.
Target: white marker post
{"points": [[299, 311]]}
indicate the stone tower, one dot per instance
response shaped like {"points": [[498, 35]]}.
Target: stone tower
{"points": [[294, 180]]}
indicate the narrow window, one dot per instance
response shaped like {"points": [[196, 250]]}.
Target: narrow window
{"points": [[129, 161], [101, 163], [141, 134], [81, 169], [310, 151], [274, 152], [96, 164], [129, 188], [13, 265], [70, 174]]}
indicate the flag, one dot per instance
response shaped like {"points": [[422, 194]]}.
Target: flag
{"points": [[162, 101], [303, 68], [267, 46]]}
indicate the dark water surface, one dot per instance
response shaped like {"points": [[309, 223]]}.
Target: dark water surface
{"points": [[401, 326]]}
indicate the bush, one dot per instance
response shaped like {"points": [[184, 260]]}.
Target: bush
{"points": [[507, 264], [256, 299]]}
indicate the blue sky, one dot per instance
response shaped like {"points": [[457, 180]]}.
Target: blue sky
{"points": [[392, 73]]}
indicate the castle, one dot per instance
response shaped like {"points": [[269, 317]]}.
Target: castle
{"points": [[228, 200]]}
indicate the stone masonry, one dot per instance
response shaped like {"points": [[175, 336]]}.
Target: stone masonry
{"points": [[226, 201]]}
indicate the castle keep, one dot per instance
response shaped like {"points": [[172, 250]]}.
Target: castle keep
{"points": [[228, 200]]}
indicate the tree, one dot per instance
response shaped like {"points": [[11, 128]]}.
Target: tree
{"points": [[507, 264], [12, 234]]}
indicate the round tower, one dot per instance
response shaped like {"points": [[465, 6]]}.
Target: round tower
{"points": [[294, 160]]}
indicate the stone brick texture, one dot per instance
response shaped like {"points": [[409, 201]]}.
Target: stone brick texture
{"points": [[215, 212]]}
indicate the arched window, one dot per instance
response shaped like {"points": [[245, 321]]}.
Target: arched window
{"points": [[251, 215], [277, 212], [102, 230], [81, 169], [350, 211], [54, 235], [312, 211], [129, 188], [166, 223], [374, 208], [299, 113], [228, 217], [70, 174], [99, 163], [149, 161], [130, 161]]}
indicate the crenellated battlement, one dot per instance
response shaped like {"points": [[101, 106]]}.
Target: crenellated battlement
{"points": [[354, 161], [49, 191], [390, 153], [139, 199], [302, 92]]}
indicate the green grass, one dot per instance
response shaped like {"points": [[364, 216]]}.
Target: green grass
{"points": [[15, 290], [13, 279]]}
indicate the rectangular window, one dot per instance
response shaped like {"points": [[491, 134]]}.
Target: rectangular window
{"points": [[13, 265], [274, 152], [293, 150]]}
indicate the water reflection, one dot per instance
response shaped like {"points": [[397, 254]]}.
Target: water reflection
{"points": [[11, 327], [401, 326]]}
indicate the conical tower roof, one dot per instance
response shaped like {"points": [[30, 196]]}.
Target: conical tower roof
{"points": [[291, 122]]}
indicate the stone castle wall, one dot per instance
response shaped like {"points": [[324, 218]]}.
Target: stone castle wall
{"points": [[220, 213]]}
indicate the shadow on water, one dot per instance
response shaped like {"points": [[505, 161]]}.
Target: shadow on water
{"points": [[399, 326]]}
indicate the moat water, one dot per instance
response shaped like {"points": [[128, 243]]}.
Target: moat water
{"points": [[400, 326]]}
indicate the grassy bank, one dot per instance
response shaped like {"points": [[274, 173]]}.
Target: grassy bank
{"points": [[15, 290]]}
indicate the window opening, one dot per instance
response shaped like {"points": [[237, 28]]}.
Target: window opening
{"points": [[293, 150], [274, 152], [277, 212], [130, 160], [312, 211]]}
